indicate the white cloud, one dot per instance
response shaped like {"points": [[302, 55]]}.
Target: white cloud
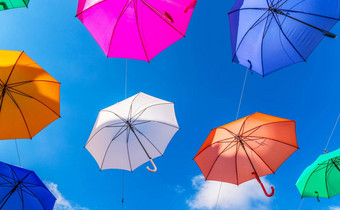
{"points": [[248, 195], [61, 203], [334, 208]]}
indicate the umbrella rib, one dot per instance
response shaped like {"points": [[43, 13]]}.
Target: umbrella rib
{"points": [[91, 137], [259, 157], [89, 8], [30, 81], [25, 3], [248, 8], [147, 154], [254, 129], [148, 141], [22, 115], [114, 138], [307, 13], [279, 24], [29, 96], [271, 139], [251, 163], [114, 28], [16, 62], [130, 109], [256, 23], [34, 195], [140, 35], [236, 171], [326, 179], [266, 28], [224, 150], [127, 146], [143, 110], [157, 12], [155, 121], [243, 125], [121, 118], [310, 175]]}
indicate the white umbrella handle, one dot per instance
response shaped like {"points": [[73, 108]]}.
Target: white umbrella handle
{"points": [[154, 166]]}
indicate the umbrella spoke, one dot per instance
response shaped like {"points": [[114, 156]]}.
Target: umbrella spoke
{"points": [[148, 140], [228, 147], [125, 126], [138, 114]]}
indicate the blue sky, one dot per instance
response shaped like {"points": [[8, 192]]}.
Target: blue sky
{"points": [[197, 74]]}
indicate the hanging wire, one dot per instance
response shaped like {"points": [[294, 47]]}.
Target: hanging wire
{"points": [[126, 82], [238, 111], [336, 123], [16, 145], [301, 203]]}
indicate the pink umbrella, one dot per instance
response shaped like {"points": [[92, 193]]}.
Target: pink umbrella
{"points": [[135, 29]]}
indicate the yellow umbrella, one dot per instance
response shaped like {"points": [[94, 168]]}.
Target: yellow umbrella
{"points": [[29, 96]]}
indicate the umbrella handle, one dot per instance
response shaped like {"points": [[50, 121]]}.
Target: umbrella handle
{"points": [[191, 5], [154, 167], [317, 195], [264, 189], [4, 5]]}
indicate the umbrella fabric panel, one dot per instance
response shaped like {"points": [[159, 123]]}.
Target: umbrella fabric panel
{"points": [[321, 176], [278, 41], [22, 189], [135, 29], [105, 139], [158, 134], [11, 4], [246, 37], [30, 96]]}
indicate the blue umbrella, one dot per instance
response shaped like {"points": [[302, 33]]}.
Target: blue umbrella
{"points": [[22, 189], [267, 35]]}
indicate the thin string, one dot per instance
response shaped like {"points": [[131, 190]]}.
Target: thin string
{"points": [[301, 203], [238, 111], [336, 123], [16, 144], [126, 82]]}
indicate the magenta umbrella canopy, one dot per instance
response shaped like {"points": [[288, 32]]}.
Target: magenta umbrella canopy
{"points": [[136, 29]]}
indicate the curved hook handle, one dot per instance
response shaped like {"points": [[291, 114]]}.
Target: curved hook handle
{"points": [[191, 5], [264, 189], [317, 196], [154, 167]]}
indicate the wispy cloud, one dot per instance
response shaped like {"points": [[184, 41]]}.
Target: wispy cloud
{"points": [[248, 195], [334, 208], [61, 203]]}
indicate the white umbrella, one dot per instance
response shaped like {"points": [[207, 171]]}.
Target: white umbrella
{"points": [[132, 132]]}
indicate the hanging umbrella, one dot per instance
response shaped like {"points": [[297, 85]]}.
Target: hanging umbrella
{"points": [[29, 96], [136, 29], [132, 132], [248, 148], [269, 35], [322, 178], [22, 189], [11, 4]]}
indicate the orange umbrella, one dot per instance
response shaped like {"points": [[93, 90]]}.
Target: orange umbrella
{"points": [[248, 148], [29, 96]]}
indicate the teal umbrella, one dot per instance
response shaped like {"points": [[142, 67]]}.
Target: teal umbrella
{"points": [[322, 178], [11, 4]]}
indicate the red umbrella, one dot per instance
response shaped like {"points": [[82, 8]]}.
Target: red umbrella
{"points": [[248, 148]]}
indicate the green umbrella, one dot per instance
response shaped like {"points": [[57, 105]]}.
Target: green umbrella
{"points": [[322, 178], [11, 4]]}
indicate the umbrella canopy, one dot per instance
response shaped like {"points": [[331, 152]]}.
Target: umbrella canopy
{"points": [[269, 35], [132, 132], [22, 189], [248, 148], [11, 4], [322, 178], [136, 29], [29, 96]]}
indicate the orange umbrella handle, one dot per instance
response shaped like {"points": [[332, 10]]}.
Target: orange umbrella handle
{"points": [[264, 189]]}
